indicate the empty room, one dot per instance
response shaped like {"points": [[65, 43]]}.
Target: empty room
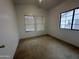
{"points": [[39, 29]]}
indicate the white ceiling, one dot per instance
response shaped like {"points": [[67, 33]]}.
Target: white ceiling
{"points": [[46, 4]]}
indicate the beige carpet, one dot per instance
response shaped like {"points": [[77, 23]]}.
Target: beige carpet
{"points": [[45, 48]]}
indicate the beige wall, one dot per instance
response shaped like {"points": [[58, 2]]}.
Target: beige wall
{"points": [[70, 36], [8, 29], [28, 10]]}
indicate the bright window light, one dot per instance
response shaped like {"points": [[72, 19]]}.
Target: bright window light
{"points": [[40, 0]]}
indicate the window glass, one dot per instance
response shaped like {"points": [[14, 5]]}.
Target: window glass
{"points": [[30, 28], [35, 23], [66, 20], [76, 19], [40, 24], [30, 23]]}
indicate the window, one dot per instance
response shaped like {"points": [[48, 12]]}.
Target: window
{"points": [[35, 23], [40, 23], [76, 19], [70, 19], [30, 23], [66, 19]]}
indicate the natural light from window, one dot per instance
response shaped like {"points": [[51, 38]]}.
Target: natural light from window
{"points": [[70, 19], [34, 23]]}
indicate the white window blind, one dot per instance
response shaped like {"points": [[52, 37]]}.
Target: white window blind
{"points": [[35, 23]]}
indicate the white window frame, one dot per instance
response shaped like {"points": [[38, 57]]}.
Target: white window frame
{"points": [[35, 25]]}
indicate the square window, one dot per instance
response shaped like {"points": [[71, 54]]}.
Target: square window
{"points": [[66, 19]]}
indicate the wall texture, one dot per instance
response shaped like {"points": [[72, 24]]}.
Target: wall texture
{"points": [[53, 23], [28, 10], [8, 29]]}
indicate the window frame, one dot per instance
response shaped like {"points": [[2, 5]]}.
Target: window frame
{"points": [[34, 24], [25, 24], [72, 19]]}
